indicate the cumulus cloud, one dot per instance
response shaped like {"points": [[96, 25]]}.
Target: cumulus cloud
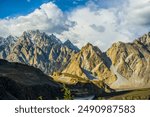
{"points": [[95, 25], [101, 26], [48, 18], [123, 21], [137, 16], [98, 28]]}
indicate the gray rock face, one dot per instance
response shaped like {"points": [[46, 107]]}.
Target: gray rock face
{"points": [[40, 50], [6, 45]]}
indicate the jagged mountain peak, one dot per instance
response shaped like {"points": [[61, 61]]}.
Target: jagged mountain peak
{"points": [[67, 42], [11, 37], [88, 45], [89, 48], [143, 42], [37, 37], [89, 64], [8, 40], [70, 45], [53, 37], [32, 32], [130, 62], [39, 49], [118, 44], [145, 39]]}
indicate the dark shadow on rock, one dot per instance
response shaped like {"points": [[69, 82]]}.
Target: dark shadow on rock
{"points": [[88, 74], [107, 60]]}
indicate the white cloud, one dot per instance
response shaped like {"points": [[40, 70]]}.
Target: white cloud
{"points": [[48, 18], [123, 21], [137, 16], [102, 27], [97, 26]]}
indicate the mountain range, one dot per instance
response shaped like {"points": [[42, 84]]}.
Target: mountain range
{"points": [[123, 66], [38, 49]]}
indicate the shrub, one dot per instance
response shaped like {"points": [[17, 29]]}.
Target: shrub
{"points": [[67, 93]]}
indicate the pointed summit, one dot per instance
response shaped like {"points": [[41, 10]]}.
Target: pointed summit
{"points": [[145, 39], [40, 38], [34, 31], [130, 62], [88, 45], [39, 49], [69, 44], [92, 65], [91, 50]]}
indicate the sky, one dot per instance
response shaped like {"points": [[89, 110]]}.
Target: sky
{"points": [[100, 22]]}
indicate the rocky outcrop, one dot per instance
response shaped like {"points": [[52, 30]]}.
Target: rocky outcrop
{"points": [[131, 63], [6, 45], [90, 65], [87, 66], [124, 65], [40, 50]]}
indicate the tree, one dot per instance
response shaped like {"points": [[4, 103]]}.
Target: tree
{"points": [[67, 93]]}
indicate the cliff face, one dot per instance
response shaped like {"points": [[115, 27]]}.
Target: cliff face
{"points": [[123, 66], [92, 65], [40, 50], [131, 63], [87, 66]]}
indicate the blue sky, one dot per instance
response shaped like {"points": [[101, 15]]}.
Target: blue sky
{"points": [[10, 8], [100, 22]]}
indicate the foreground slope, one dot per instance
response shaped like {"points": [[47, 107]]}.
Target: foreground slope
{"points": [[18, 81]]}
